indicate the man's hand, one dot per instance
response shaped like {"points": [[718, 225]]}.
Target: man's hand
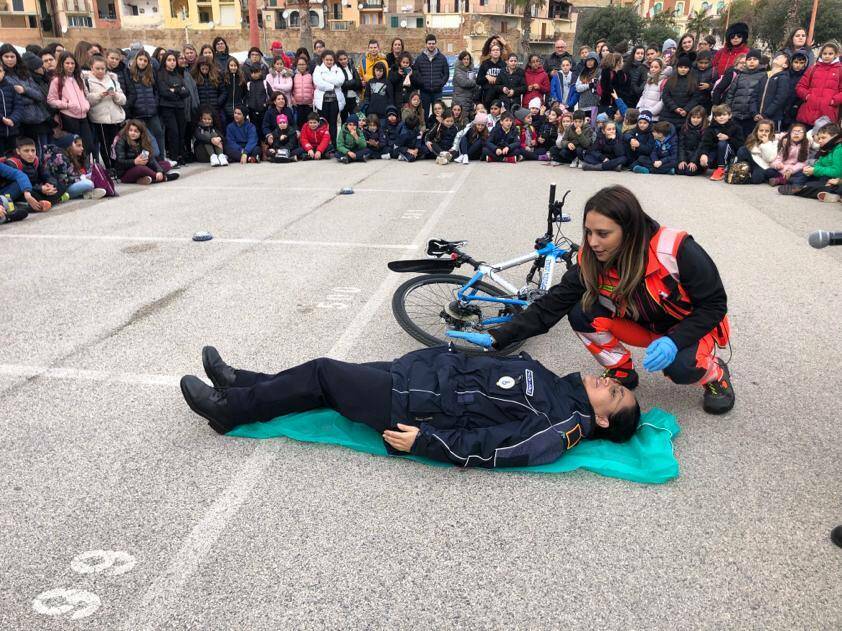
{"points": [[660, 354], [657, 164], [480, 339], [401, 440]]}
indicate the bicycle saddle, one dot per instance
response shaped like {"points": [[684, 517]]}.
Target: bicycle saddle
{"points": [[438, 247]]}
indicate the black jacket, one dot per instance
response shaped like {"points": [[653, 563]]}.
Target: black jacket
{"points": [[774, 96], [488, 68], [206, 134], [142, 100], [211, 95], [633, 88], [710, 136], [689, 143], [744, 93], [126, 154], [486, 411], [430, 75], [270, 120], [123, 76], [257, 96], [400, 92], [610, 82], [515, 81], [234, 95], [442, 136], [499, 138], [678, 95], [647, 143], [171, 89], [553, 61], [697, 273], [610, 149], [378, 96]]}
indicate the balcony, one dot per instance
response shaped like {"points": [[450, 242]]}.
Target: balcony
{"points": [[340, 25], [370, 5]]}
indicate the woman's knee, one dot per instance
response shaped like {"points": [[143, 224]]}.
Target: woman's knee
{"points": [[684, 370]]}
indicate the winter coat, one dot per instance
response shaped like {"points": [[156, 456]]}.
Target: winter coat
{"points": [[765, 153], [469, 415], [539, 77], [613, 81], [36, 172], [610, 149], [33, 101], [821, 90], [549, 133], [650, 99], [191, 103], [171, 89], [489, 68], [430, 73], [247, 66], [280, 83], [315, 140], [123, 76], [211, 95], [303, 89], [636, 72], [328, 80], [705, 76], [60, 168], [346, 142], [441, 135], [464, 86], [553, 61], [515, 81], [270, 120], [774, 97], [563, 89], [222, 60], [243, 137], [792, 101], [10, 173], [284, 139], [73, 102], [790, 161], [724, 57], [142, 100], [830, 164], [678, 96], [107, 110], [499, 138], [647, 143], [743, 94], [378, 96], [234, 96], [710, 138], [375, 139], [666, 150], [401, 92], [805, 50], [126, 153], [417, 111], [353, 85], [586, 90], [367, 63], [583, 139], [206, 134], [689, 143], [257, 98], [391, 133], [720, 88]]}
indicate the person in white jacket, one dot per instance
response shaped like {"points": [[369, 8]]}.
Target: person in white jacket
{"points": [[328, 98], [103, 91], [650, 98], [760, 151]]}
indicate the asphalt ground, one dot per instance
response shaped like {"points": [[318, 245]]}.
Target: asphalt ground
{"points": [[116, 495]]}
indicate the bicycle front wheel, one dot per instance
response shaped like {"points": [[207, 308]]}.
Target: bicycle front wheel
{"points": [[427, 306]]}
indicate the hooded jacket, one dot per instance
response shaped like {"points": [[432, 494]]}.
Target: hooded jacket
{"points": [[821, 90], [431, 72], [743, 94], [346, 142], [829, 163], [486, 411], [666, 150], [563, 89], [315, 140], [464, 85], [366, 67], [586, 89], [378, 96], [104, 109], [725, 56]]}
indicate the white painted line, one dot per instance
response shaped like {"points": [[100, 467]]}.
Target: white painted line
{"points": [[160, 599], [293, 242], [277, 189]]}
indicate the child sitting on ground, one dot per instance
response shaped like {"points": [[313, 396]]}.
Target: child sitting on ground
{"points": [[284, 142], [392, 130], [793, 151], [45, 190], [209, 146], [13, 186], [472, 143], [135, 161], [690, 141], [547, 134], [503, 143], [69, 168], [760, 151], [409, 148], [495, 111], [528, 135], [822, 179], [350, 142], [720, 142], [315, 138], [241, 144], [664, 156], [630, 120], [607, 153], [571, 145], [440, 138], [375, 139], [639, 140], [413, 108]]}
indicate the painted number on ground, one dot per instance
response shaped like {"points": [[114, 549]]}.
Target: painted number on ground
{"points": [[339, 298], [69, 603], [412, 214], [110, 562]]}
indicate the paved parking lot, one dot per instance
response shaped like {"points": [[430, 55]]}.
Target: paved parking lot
{"points": [[130, 513]]}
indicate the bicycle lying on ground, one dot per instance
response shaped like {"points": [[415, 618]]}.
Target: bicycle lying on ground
{"points": [[438, 301]]}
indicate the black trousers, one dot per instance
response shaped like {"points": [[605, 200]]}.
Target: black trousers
{"points": [[758, 173], [80, 127], [330, 112], [360, 392], [104, 135], [174, 124]]}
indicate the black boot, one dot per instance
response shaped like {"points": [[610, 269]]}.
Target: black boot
{"points": [[220, 373], [836, 536], [719, 395], [624, 376], [208, 402]]}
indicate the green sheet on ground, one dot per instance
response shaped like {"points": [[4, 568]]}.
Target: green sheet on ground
{"points": [[646, 458]]}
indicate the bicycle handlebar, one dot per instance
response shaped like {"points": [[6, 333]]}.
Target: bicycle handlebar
{"points": [[554, 209]]}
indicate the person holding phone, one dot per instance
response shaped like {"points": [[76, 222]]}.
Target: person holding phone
{"points": [[107, 113]]}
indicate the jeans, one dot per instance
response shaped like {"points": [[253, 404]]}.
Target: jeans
{"points": [[79, 188], [473, 150]]}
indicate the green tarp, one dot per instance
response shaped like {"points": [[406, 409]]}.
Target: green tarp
{"points": [[646, 458]]}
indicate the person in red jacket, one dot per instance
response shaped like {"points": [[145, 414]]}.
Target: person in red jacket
{"points": [[315, 138], [736, 44], [537, 81], [820, 88]]}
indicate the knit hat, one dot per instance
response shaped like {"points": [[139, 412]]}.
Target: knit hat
{"points": [[535, 102], [754, 52], [391, 109], [481, 119], [33, 62], [276, 45], [684, 60], [521, 113], [282, 118], [645, 115], [353, 119], [668, 43], [602, 118]]}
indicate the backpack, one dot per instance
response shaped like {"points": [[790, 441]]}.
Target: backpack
{"points": [[738, 173], [101, 179]]}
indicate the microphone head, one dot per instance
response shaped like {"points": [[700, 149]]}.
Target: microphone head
{"points": [[819, 239]]}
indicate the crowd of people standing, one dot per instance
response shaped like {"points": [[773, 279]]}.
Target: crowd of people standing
{"points": [[72, 120]]}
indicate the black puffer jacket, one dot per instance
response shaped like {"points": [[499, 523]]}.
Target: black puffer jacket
{"points": [[430, 75], [211, 95], [126, 154], [775, 95], [689, 143], [743, 94], [234, 95], [142, 100], [636, 73], [171, 89], [679, 92], [33, 100], [515, 81]]}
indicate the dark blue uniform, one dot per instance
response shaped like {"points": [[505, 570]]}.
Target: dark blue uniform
{"points": [[472, 411]]}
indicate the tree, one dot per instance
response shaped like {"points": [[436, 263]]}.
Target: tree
{"points": [[772, 20], [613, 23], [699, 23], [306, 37], [658, 28], [737, 11], [528, 7]]}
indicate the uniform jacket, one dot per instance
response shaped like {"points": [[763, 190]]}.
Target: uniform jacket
{"points": [[105, 110], [821, 90], [73, 102], [485, 411], [430, 72], [315, 140], [744, 93]]}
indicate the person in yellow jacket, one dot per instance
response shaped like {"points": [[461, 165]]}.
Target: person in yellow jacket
{"points": [[366, 67]]}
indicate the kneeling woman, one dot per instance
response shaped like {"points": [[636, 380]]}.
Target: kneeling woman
{"points": [[471, 411], [640, 284]]}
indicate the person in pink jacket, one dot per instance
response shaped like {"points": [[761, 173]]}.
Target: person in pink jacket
{"points": [[793, 151], [820, 88], [303, 90], [67, 95], [279, 79]]}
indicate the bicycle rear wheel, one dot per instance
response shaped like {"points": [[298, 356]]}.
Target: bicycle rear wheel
{"points": [[427, 306]]}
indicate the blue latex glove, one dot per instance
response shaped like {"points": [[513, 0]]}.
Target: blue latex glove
{"points": [[480, 339], [660, 354]]}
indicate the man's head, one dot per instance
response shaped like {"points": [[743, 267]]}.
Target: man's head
{"points": [[373, 47], [560, 47], [430, 42], [26, 150], [616, 410]]}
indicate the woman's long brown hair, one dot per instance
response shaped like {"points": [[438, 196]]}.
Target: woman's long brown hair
{"points": [[145, 76], [618, 204]]}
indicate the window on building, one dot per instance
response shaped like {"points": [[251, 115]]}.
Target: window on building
{"points": [[33, 21], [280, 22], [419, 22], [134, 9], [314, 19], [504, 26], [679, 8], [17, 5], [394, 22], [337, 11], [559, 10], [294, 21]]}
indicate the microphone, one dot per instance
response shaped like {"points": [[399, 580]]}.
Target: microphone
{"points": [[822, 238]]}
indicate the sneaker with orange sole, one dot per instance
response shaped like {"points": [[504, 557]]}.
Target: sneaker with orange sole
{"points": [[718, 174]]}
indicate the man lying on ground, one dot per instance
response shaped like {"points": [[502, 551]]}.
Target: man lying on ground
{"points": [[469, 410]]}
